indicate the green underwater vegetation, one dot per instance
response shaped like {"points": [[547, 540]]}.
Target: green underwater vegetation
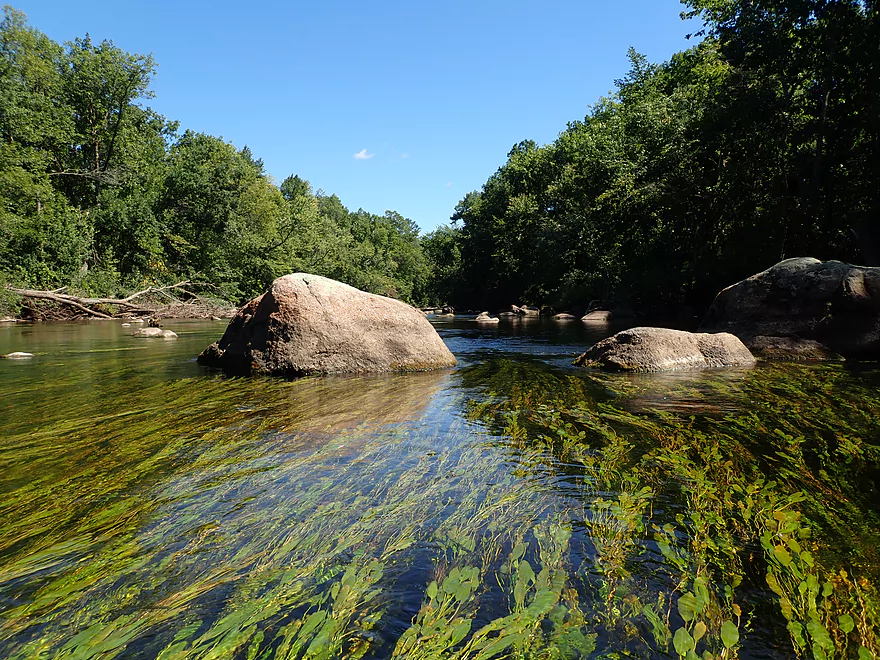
{"points": [[509, 509]]}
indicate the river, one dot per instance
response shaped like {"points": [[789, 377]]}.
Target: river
{"points": [[515, 506]]}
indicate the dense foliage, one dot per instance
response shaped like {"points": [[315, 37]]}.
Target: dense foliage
{"points": [[760, 143], [100, 192]]}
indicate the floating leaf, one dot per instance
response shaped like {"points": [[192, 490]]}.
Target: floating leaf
{"points": [[820, 636], [729, 634], [683, 641], [782, 555], [688, 606], [701, 591], [774, 585], [846, 623]]}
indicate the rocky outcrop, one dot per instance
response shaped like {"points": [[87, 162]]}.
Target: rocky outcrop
{"points": [[306, 324], [832, 303], [662, 349]]}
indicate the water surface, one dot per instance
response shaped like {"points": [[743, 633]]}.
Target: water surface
{"points": [[515, 506]]}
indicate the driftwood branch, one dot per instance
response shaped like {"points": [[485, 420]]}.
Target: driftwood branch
{"points": [[59, 298], [85, 304]]}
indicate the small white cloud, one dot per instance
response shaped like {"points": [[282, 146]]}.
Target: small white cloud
{"points": [[403, 156], [363, 155], [449, 184]]}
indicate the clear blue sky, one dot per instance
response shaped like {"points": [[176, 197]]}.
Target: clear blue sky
{"points": [[430, 95]]}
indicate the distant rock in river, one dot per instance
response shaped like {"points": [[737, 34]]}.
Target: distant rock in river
{"points": [[18, 355], [156, 333], [662, 349], [306, 324], [597, 316]]}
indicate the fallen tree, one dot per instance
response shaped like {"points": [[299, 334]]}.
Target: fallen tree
{"points": [[156, 302]]}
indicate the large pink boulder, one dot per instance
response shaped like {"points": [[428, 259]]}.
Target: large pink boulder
{"points": [[307, 324]]}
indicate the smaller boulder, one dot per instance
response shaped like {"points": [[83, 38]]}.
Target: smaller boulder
{"points": [[564, 317], [483, 317], [525, 310], [155, 333], [597, 316], [663, 349], [18, 355]]}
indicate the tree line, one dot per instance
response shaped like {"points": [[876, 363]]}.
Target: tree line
{"points": [[102, 194], [759, 143]]}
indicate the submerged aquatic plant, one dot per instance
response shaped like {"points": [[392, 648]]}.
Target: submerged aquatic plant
{"points": [[527, 513]]}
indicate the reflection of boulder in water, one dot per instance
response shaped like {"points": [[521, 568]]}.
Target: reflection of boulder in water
{"points": [[339, 403], [685, 392]]}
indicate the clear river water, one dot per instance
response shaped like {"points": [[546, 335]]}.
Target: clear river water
{"points": [[513, 507]]}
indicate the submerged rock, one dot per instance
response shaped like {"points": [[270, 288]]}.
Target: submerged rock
{"points": [[156, 333], [306, 324], [662, 349], [831, 302], [564, 316], [18, 355]]}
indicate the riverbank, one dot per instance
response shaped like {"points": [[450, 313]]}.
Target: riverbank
{"points": [[155, 303]]}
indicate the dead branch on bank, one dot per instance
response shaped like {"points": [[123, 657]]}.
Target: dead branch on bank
{"points": [[108, 308]]}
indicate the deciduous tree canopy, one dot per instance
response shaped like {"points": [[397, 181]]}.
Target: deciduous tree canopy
{"points": [[100, 192], [761, 142]]}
